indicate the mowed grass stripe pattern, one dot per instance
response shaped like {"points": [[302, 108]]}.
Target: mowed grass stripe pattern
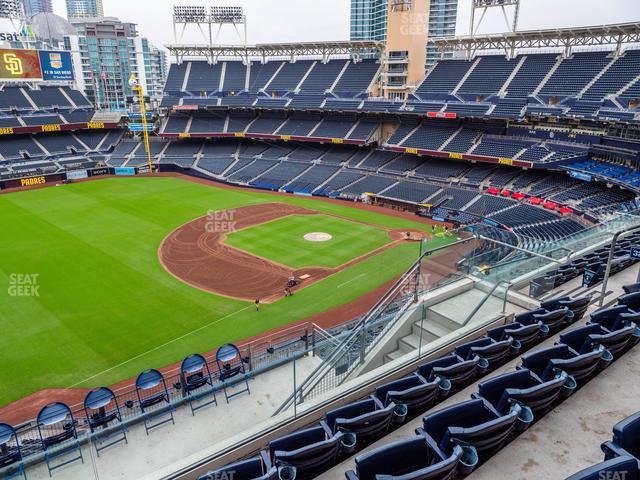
{"points": [[283, 241], [104, 299]]}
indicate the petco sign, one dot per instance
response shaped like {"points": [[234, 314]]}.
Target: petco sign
{"points": [[9, 37]]}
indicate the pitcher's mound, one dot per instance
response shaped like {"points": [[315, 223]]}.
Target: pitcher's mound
{"points": [[318, 237]]}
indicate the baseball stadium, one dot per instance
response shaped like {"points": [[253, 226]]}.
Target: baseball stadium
{"points": [[410, 255]]}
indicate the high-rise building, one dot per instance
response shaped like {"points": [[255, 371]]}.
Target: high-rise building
{"points": [[84, 8], [10, 9], [33, 7], [106, 52], [369, 21], [443, 15]]}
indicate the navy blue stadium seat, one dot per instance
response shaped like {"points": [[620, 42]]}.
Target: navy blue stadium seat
{"points": [[457, 371], [524, 388], [626, 439], [10, 453], [411, 459], [58, 436], [634, 287], [554, 320], [577, 305], [153, 397], [309, 452], [256, 468], [231, 370], [367, 419], [593, 337], [197, 382], [631, 300], [102, 410], [618, 468], [548, 363], [492, 354], [526, 335], [413, 391], [473, 423]]}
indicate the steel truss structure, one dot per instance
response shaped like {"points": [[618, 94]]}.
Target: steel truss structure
{"points": [[567, 39], [324, 50]]}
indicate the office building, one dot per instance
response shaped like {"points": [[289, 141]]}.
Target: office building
{"points": [[84, 8]]}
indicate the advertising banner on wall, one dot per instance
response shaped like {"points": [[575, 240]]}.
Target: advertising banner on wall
{"points": [[125, 171], [77, 174], [56, 65], [20, 65]]}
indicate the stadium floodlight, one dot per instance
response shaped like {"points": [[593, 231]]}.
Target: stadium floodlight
{"points": [[189, 14], [227, 14], [485, 5], [494, 3], [10, 9]]}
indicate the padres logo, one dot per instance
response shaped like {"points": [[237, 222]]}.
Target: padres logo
{"points": [[13, 64]]}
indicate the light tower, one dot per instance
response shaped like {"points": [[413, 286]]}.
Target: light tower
{"points": [[485, 5], [197, 17]]}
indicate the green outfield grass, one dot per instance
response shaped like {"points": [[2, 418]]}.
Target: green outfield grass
{"points": [[283, 241], [106, 309]]}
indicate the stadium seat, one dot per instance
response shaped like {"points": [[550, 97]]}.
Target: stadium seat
{"points": [[153, 397], [593, 337], [231, 365], [626, 439], [457, 371], [367, 419], [256, 468], [197, 382], [104, 418], [577, 305], [413, 391], [308, 452], [548, 363], [473, 423], [412, 459], [523, 388], [553, 320], [58, 436], [492, 354], [631, 300], [10, 453], [525, 335], [621, 468]]}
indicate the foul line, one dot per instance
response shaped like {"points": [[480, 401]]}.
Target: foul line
{"points": [[159, 347], [349, 281]]}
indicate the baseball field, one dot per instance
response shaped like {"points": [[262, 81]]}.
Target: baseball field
{"points": [[85, 300]]}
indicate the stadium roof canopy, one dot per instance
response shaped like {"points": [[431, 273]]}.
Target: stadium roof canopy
{"points": [[566, 38], [267, 50]]}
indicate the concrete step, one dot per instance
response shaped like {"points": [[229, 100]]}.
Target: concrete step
{"points": [[409, 343], [430, 330], [453, 311], [393, 355]]}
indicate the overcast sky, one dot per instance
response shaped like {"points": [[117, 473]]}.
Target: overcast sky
{"points": [[309, 20]]}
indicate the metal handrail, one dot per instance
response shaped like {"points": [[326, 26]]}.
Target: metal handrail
{"points": [[607, 272], [484, 300]]}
